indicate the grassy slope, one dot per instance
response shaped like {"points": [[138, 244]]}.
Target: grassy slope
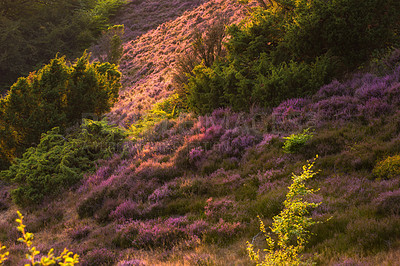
{"points": [[148, 61], [229, 166]]}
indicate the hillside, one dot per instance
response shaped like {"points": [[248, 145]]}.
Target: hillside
{"points": [[152, 49], [187, 187]]}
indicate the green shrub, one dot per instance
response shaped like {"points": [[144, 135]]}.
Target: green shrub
{"points": [[290, 49], [58, 95], [387, 168], [166, 109], [295, 142], [59, 162], [290, 226], [206, 89], [206, 48]]}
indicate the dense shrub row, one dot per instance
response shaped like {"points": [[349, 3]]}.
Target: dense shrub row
{"points": [[290, 49]]}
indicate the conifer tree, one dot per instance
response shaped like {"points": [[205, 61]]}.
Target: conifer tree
{"points": [[56, 95]]}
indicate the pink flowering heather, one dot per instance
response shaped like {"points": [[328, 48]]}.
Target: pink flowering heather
{"points": [[388, 202], [267, 138], [160, 193], [196, 154], [226, 229], [80, 232], [153, 233], [268, 180], [198, 227], [127, 210], [100, 256], [228, 179], [213, 133], [221, 208]]}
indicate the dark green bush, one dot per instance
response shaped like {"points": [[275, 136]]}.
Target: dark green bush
{"points": [[206, 89], [58, 95], [59, 162], [207, 48], [292, 48], [110, 45]]}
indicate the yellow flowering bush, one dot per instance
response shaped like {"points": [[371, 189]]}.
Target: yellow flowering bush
{"points": [[290, 226], [66, 258], [387, 168]]}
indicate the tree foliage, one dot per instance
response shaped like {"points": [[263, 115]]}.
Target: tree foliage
{"points": [[33, 32], [56, 95], [110, 48], [289, 48]]}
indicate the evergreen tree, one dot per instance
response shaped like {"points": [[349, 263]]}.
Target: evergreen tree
{"points": [[56, 95]]}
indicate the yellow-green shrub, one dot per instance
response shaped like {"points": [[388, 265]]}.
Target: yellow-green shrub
{"points": [[166, 109], [4, 254], [290, 226], [388, 167], [295, 142], [66, 258]]}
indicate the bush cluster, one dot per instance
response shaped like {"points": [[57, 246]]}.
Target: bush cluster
{"points": [[59, 162], [388, 168], [290, 49], [295, 142], [58, 95]]}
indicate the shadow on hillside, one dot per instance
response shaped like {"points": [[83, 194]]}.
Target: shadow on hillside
{"points": [[141, 16]]}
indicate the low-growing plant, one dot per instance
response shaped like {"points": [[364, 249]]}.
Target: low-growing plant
{"points": [[154, 233], [223, 232], [295, 142], [79, 233], [66, 258], [166, 109], [99, 257], [388, 168], [58, 163], [3, 254], [388, 203], [290, 226]]}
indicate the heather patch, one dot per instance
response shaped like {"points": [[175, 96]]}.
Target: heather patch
{"points": [[152, 233], [101, 256]]}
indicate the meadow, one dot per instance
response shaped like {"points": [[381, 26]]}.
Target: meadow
{"points": [[209, 134]]}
